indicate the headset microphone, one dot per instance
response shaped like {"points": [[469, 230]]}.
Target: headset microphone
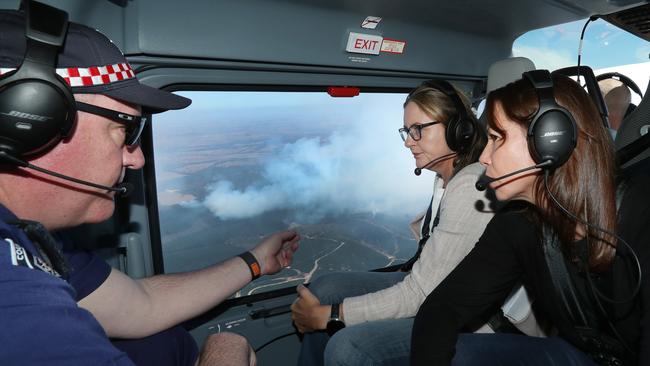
{"points": [[483, 181], [125, 188], [122, 189], [418, 171]]}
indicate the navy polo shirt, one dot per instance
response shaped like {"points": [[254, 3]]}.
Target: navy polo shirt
{"points": [[87, 271], [171, 347], [40, 322]]}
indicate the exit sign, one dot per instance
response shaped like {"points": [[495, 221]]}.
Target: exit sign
{"points": [[364, 43]]}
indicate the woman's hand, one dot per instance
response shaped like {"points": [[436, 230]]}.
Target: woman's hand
{"points": [[307, 312]]}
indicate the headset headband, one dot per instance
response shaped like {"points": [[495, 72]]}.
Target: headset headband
{"points": [[623, 79], [448, 90]]}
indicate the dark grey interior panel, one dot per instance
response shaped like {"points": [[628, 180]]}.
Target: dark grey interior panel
{"points": [[445, 37], [274, 337], [281, 32]]}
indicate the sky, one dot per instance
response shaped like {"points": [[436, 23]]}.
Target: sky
{"points": [[605, 48], [604, 45]]}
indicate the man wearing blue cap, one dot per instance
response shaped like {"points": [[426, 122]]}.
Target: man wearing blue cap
{"points": [[65, 143]]}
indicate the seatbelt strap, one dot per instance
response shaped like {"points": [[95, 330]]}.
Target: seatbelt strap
{"points": [[561, 279], [427, 229], [601, 347], [500, 324], [620, 192]]}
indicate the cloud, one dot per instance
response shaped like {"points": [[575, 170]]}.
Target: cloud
{"points": [[545, 58], [364, 168], [642, 53]]}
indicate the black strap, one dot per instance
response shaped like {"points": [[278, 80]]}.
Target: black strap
{"points": [[424, 236], [252, 263], [335, 311], [580, 310], [620, 192], [562, 282], [500, 324], [426, 230]]}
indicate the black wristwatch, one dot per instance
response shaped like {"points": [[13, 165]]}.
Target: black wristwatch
{"points": [[334, 324]]}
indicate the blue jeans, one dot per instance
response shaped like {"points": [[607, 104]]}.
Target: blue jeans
{"points": [[504, 349], [385, 342], [388, 342]]}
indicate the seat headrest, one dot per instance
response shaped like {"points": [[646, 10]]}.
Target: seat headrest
{"points": [[501, 73], [506, 71], [633, 126]]}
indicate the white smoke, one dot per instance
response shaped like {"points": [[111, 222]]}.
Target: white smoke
{"points": [[361, 168]]}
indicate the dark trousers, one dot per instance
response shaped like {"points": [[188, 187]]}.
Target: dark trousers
{"points": [[513, 350], [171, 347]]}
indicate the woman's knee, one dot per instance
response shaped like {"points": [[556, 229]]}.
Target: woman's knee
{"points": [[337, 349], [328, 286], [343, 349]]}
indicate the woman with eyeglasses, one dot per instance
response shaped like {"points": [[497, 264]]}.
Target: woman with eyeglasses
{"points": [[585, 267], [353, 317]]}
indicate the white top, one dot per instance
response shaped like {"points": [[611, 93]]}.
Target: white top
{"points": [[464, 213], [438, 192]]}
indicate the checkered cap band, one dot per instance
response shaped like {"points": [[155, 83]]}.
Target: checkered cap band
{"points": [[90, 76]]}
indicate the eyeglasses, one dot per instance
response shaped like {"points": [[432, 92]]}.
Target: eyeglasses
{"points": [[134, 124], [414, 131]]}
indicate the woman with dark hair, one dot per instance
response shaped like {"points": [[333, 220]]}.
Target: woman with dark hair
{"points": [[377, 308], [566, 206]]}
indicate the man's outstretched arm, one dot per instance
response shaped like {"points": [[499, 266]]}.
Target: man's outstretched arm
{"points": [[128, 308]]}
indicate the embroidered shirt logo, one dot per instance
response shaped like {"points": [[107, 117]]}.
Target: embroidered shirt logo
{"points": [[23, 258]]}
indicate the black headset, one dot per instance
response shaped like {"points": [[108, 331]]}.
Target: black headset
{"points": [[461, 127], [552, 134], [37, 108], [629, 83], [623, 79]]}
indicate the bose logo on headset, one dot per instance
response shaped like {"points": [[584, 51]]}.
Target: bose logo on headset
{"points": [[33, 117], [555, 133]]}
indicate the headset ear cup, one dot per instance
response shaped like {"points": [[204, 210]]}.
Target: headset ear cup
{"points": [[532, 148], [451, 133], [552, 136], [460, 128], [39, 113], [70, 106], [459, 134], [466, 131]]}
